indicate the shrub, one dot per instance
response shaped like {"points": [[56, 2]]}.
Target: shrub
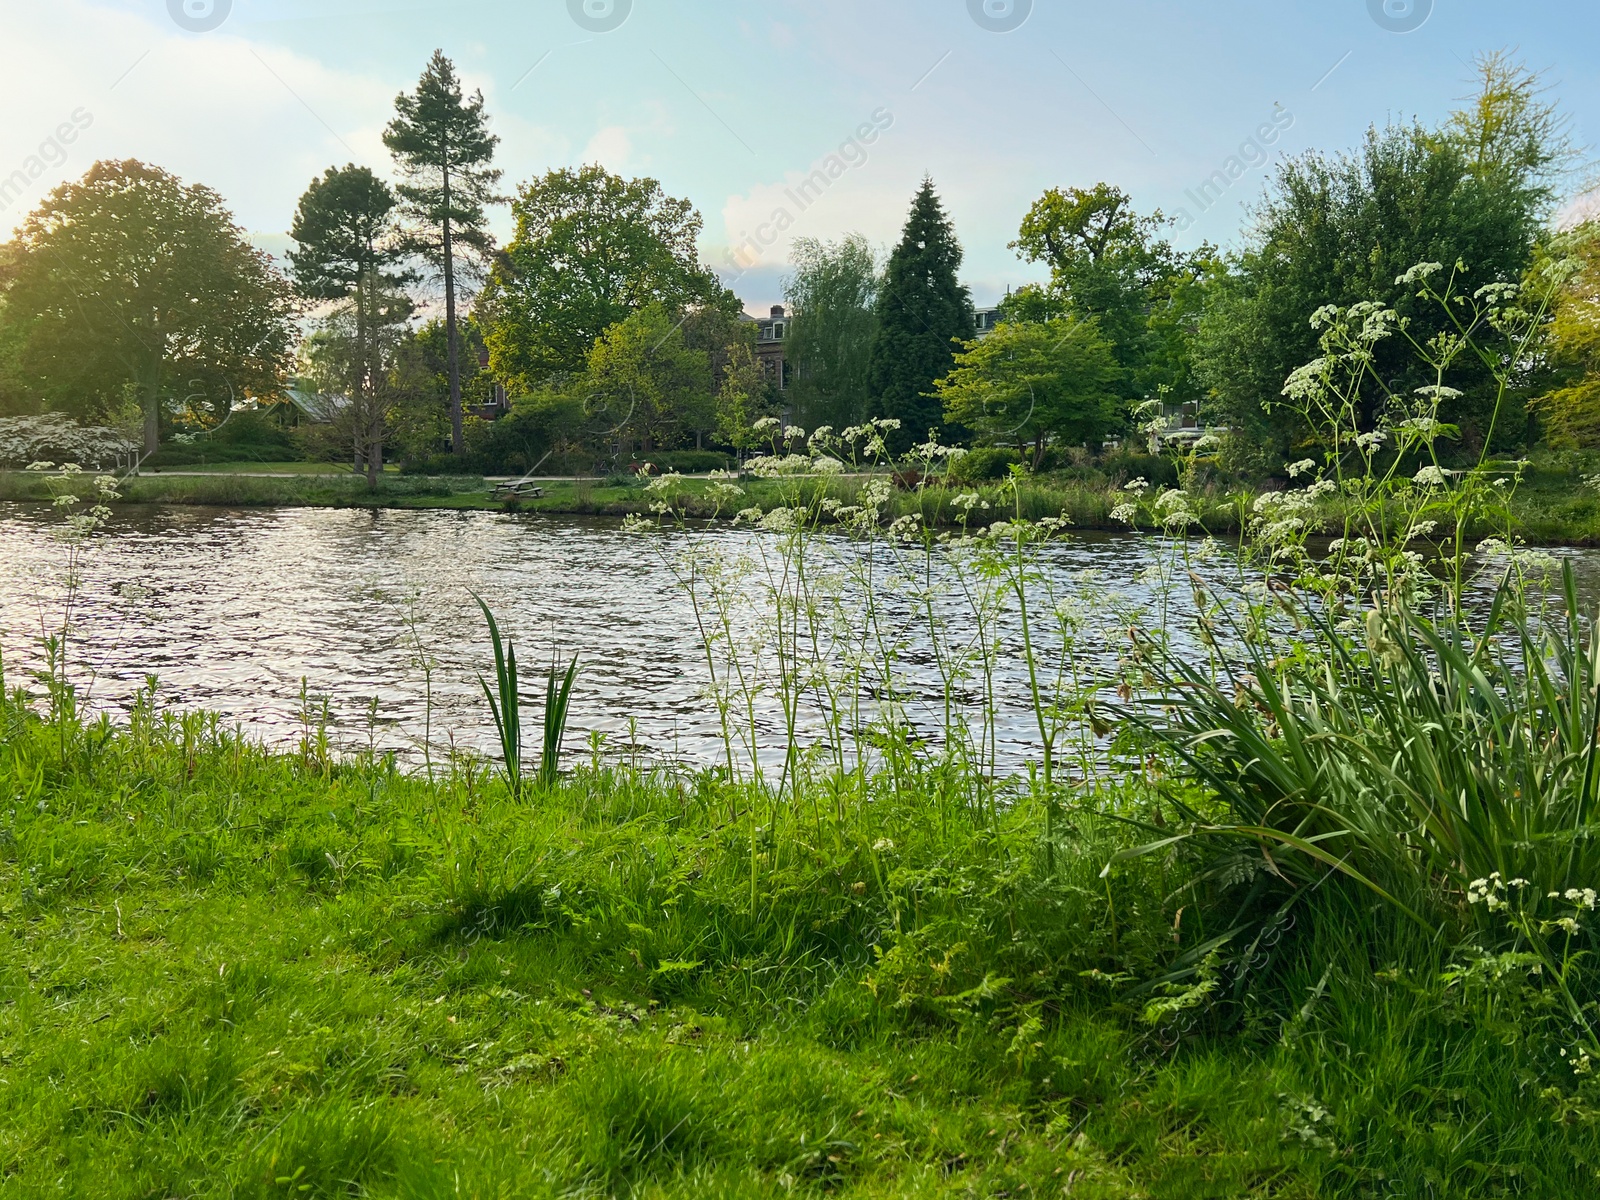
{"points": [[1121, 466], [984, 463], [248, 435]]}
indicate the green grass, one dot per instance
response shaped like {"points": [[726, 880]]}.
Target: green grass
{"points": [[229, 972], [1553, 509], [247, 490]]}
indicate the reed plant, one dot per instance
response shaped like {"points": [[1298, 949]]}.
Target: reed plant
{"points": [[505, 707]]}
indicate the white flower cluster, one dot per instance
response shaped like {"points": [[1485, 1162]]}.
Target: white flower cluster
{"points": [[1279, 515], [1309, 381], [1582, 1064], [1490, 892], [771, 466], [1371, 442], [1532, 563], [1173, 510], [932, 451], [1420, 271], [907, 528]]}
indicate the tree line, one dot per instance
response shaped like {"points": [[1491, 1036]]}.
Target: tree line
{"points": [[131, 296]]}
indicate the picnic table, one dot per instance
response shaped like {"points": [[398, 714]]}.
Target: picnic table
{"points": [[522, 489]]}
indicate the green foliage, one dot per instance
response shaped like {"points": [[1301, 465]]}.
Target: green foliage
{"points": [[1425, 760], [590, 249], [923, 313], [747, 395], [519, 440], [691, 462], [345, 235], [348, 250], [232, 973], [1570, 411], [832, 298], [248, 435], [1107, 265], [645, 385], [505, 706], [557, 699], [1342, 229], [505, 702], [441, 143], [1036, 383], [984, 464], [130, 289]]}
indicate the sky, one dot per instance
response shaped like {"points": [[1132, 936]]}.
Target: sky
{"points": [[734, 105]]}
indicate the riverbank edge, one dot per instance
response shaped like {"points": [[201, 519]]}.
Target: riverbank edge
{"points": [[1552, 516]]}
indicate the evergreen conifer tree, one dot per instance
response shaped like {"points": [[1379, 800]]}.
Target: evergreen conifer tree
{"points": [[922, 310], [441, 142]]}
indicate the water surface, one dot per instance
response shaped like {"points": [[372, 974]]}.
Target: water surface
{"points": [[232, 609]]}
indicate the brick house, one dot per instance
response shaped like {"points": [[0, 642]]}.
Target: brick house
{"points": [[771, 331]]}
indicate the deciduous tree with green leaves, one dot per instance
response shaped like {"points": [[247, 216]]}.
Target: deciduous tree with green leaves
{"points": [[832, 298], [1342, 229], [1108, 262], [1030, 384], [646, 385], [132, 287], [747, 395], [1569, 410], [441, 142], [590, 249]]}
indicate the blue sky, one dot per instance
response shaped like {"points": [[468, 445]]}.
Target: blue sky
{"points": [[733, 104]]}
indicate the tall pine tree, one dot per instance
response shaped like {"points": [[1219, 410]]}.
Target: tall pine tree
{"points": [[922, 311], [348, 248], [441, 142]]}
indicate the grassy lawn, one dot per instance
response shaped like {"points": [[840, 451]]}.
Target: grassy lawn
{"points": [[229, 973]]}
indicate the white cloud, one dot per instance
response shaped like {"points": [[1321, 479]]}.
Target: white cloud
{"points": [[611, 147], [255, 123]]}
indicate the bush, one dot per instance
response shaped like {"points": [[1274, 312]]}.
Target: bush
{"points": [[984, 463], [248, 435], [1120, 466]]}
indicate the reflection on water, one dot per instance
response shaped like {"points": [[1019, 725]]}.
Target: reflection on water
{"points": [[231, 609]]}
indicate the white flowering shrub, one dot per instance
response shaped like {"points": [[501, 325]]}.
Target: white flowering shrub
{"points": [[56, 438]]}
